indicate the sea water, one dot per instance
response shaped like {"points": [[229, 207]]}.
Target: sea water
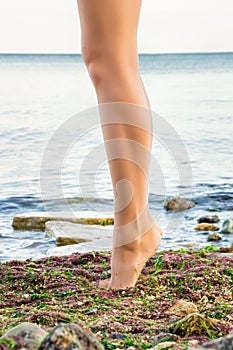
{"points": [[39, 93]]}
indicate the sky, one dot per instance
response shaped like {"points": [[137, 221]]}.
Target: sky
{"points": [[166, 26]]}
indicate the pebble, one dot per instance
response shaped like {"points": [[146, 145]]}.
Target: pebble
{"points": [[118, 336]]}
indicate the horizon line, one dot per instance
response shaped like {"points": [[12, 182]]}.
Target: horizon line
{"points": [[140, 53]]}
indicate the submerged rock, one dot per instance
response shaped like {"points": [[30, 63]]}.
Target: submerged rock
{"points": [[70, 336], [214, 237], [37, 220], [209, 219], [67, 233], [103, 244], [178, 204], [227, 226], [194, 324], [26, 335], [183, 308], [206, 227]]}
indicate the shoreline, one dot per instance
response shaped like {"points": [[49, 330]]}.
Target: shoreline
{"points": [[52, 290]]}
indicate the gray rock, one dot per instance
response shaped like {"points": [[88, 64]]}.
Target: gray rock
{"points": [[209, 219], [67, 233], [178, 204], [227, 226], [225, 343], [161, 337], [70, 336], [214, 237], [26, 335]]}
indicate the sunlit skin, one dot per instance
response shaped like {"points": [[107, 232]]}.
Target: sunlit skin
{"points": [[109, 49]]}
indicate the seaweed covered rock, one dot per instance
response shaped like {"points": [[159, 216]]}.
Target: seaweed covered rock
{"points": [[206, 227], [26, 335], [178, 204], [183, 308], [194, 324], [70, 336]]}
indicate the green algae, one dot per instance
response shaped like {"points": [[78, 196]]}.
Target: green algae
{"points": [[64, 289]]}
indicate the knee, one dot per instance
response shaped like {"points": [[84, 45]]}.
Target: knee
{"points": [[92, 60], [102, 65]]}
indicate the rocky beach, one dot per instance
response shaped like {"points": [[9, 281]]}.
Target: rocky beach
{"points": [[182, 297]]}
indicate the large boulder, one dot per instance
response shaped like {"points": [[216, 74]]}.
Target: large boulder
{"points": [[70, 336], [26, 335]]}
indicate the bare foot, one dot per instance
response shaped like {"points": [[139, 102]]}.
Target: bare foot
{"points": [[128, 260]]}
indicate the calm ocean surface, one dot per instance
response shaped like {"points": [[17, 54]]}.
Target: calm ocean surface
{"points": [[39, 93]]}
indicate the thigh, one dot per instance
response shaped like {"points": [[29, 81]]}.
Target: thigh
{"points": [[109, 24]]}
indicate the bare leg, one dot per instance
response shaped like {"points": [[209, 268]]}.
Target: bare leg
{"points": [[109, 48]]}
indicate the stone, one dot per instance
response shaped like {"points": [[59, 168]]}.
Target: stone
{"points": [[115, 335], [188, 245], [224, 343], [37, 220], [227, 226], [209, 219], [178, 204], [194, 324], [183, 308], [165, 345], [26, 335], [214, 237], [161, 337], [70, 336], [206, 227], [104, 244], [67, 233]]}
